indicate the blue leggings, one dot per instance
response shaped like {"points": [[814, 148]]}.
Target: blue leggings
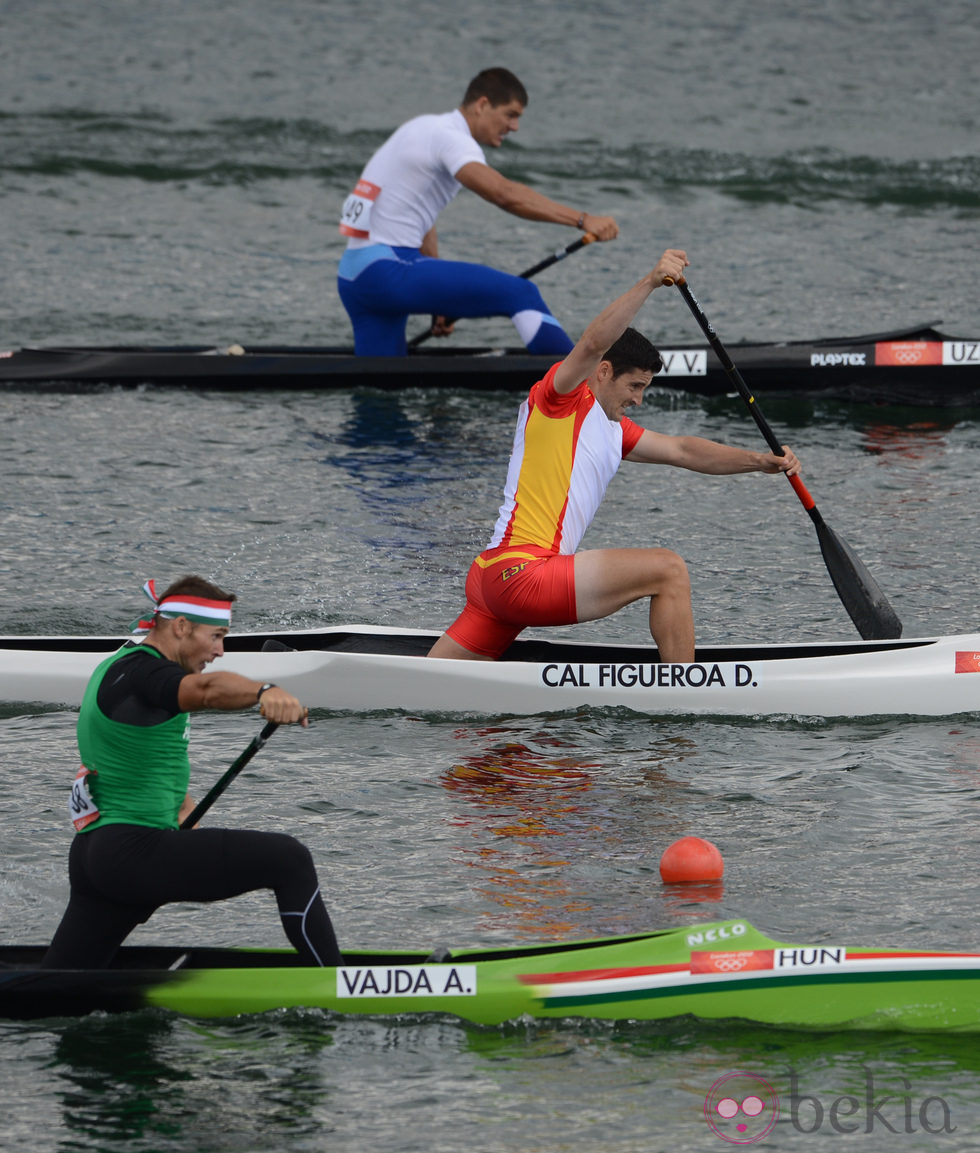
{"points": [[382, 286]]}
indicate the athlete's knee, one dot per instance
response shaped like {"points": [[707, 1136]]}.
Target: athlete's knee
{"points": [[526, 294], [288, 863], [296, 856], [532, 318], [671, 571]]}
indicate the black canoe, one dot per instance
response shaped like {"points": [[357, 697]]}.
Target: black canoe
{"points": [[917, 366]]}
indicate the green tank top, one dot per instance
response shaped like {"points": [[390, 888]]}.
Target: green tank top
{"points": [[139, 774]]}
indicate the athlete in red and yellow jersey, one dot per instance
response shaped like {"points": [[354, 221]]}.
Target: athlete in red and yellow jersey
{"points": [[572, 433]]}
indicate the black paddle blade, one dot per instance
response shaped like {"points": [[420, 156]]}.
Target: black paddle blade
{"points": [[868, 607]]}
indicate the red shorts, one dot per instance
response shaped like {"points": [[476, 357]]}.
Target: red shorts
{"points": [[510, 588]]}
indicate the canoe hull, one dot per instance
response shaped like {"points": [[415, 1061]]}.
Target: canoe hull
{"points": [[724, 970], [362, 668], [918, 366]]}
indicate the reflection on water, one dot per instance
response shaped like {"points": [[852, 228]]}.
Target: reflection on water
{"points": [[306, 1081], [920, 440], [524, 794], [684, 897], [116, 1082], [514, 769], [152, 1081], [539, 820]]}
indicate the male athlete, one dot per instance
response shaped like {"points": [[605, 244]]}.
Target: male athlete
{"points": [[129, 855], [390, 269], [572, 433]]}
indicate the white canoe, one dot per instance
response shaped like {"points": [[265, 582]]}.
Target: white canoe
{"points": [[364, 667]]}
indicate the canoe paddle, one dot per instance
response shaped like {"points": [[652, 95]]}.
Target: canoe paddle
{"points": [[229, 775], [548, 261], [866, 604]]}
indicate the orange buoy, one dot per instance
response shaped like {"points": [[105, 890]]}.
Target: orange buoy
{"points": [[691, 859]]}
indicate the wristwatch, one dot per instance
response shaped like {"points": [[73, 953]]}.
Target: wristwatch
{"points": [[258, 695]]}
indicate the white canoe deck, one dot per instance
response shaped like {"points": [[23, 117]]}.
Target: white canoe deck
{"points": [[363, 668]]}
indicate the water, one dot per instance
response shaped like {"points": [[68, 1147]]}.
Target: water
{"points": [[173, 173]]}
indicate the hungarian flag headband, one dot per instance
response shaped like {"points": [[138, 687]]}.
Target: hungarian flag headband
{"points": [[200, 610]]}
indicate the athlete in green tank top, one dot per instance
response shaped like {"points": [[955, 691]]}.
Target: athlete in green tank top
{"points": [[139, 773], [130, 797]]}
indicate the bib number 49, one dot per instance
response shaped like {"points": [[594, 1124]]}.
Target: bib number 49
{"points": [[355, 219]]}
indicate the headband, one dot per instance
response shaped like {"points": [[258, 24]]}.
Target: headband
{"points": [[200, 610]]}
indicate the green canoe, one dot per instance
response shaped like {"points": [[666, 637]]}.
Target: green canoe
{"points": [[719, 970]]}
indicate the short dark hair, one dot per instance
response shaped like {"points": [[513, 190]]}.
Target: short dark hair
{"points": [[498, 85], [197, 586], [633, 351]]}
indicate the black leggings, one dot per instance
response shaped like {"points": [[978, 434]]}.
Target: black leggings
{"points": [[120, 874]]}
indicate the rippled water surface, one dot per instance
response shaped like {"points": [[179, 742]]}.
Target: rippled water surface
{"points": [[173, 173]]}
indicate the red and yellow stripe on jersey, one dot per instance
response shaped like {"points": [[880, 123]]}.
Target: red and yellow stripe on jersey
{"points": [[566, 451]]}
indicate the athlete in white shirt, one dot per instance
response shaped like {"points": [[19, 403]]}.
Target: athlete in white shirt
{"points": [[391, 267], [572, 433]]}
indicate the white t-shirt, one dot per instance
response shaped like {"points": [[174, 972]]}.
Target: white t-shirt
{"points": [[409, 181]]}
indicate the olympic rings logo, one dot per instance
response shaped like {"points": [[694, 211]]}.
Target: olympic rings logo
{"points": [[730, 964]]}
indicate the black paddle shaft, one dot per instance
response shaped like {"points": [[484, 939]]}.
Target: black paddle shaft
{"points": [[727, 364], [558, 254], [548, 261], [229, 775], [866, 604]]}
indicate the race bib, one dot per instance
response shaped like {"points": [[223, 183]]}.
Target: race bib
{"points": [[355, 219], [81, 808]]}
